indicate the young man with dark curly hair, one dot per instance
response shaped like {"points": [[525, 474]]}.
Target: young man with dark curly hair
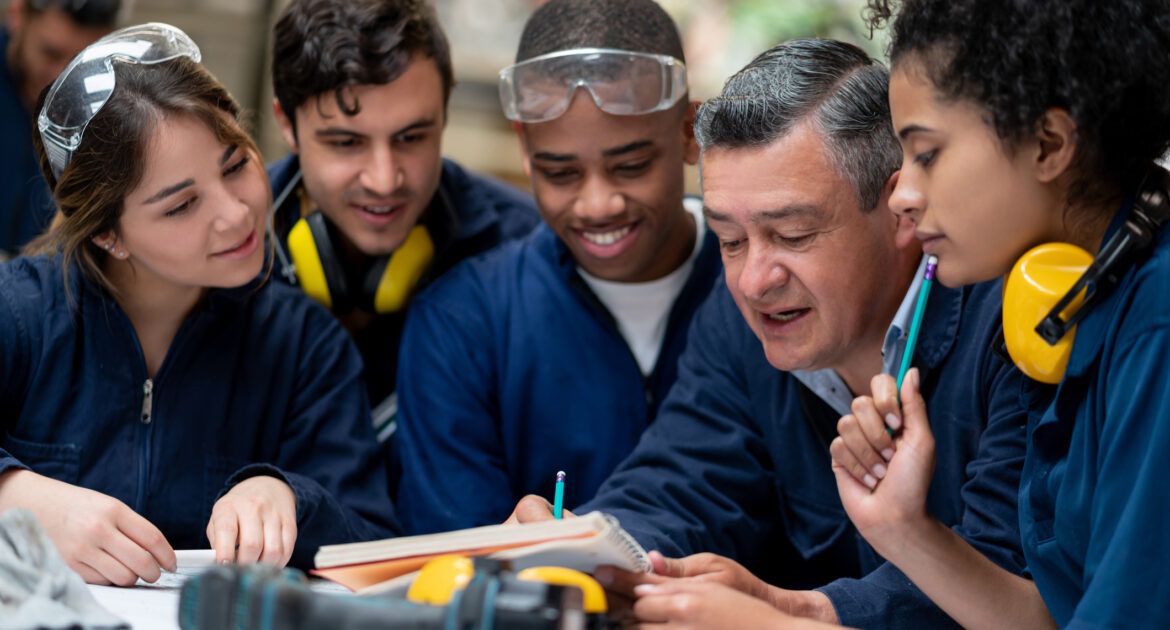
{"points": [[368, 211], [554, 352]]}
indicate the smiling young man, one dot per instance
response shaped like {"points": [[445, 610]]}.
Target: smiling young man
{"points": [[553, 352], [821, 278], [368, 211], [38, 39]]}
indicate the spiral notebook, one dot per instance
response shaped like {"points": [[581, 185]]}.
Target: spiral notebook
{"points": [[583, 543]]}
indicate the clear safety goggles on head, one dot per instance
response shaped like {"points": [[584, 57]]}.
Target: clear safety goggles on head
{"points": [[621, 82], [83, 88]]}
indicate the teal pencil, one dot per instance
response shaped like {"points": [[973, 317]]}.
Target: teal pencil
{"points": [[916, 323], [559, 497]]}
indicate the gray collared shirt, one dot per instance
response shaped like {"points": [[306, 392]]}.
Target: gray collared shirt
{"points": [[831, 387]]}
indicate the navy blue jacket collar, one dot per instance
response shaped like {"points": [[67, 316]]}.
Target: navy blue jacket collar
{"points": [[1093, 329]]}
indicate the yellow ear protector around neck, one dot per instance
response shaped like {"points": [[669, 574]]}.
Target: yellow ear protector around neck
{"points": [[388, 283], [1057, 284], [313, 261]]}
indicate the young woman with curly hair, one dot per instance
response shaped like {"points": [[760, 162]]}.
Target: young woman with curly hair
{"points": [[1025, 122]]}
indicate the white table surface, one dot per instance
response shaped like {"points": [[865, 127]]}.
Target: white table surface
{"points": [[143, 607], [156, 607]]}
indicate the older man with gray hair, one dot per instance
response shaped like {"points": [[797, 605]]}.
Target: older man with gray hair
{"points": [[798, 162]]}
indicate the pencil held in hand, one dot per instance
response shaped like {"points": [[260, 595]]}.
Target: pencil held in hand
{"points": [[559, 497]]}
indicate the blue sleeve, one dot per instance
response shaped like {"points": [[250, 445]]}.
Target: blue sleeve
{"points": [[454, 473], [989, 520], [700, 477], [14, 362], [1126, 575], [328, 454]]}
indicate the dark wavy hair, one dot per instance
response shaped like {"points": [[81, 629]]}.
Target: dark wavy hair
{"points": [[1107, 62], [322, 46]]}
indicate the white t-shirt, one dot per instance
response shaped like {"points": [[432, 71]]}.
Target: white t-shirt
{"points": [[643, 308]]}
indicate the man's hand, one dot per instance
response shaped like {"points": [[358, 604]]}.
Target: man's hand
{"points": [[533, 509], [702, 567], [712, 568], [98, 536], [256, 521], [695, 604]]}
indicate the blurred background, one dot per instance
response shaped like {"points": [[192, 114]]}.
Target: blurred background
{"points": [[720, 36]]}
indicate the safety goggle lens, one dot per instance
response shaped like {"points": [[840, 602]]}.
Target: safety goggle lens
{"points": [[620, 82], [79, 93]]}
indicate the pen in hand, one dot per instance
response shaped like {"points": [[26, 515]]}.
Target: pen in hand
{"points": [[559, 497], [916, 324]]}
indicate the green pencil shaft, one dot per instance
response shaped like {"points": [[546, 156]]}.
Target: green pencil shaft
{"points": [[559, 500], [915, 328]]}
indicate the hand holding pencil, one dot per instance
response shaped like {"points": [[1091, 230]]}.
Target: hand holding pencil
{"points": [[534, 508], [866, 443], [883, 456], [888, 509]]}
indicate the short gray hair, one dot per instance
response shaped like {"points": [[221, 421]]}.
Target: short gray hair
{"points": [[837, 85]]}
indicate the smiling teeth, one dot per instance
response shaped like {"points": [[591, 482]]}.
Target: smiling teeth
{"points": [[607, 238], [378, 209], [784, 317]]}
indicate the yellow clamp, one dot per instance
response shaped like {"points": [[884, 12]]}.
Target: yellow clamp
{"points": [[441, 577]]}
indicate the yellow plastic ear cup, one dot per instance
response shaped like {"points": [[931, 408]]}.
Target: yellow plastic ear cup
{"points": [[1039, 279], [439, 578], [593, 595], [406, 267], [307, 261]]}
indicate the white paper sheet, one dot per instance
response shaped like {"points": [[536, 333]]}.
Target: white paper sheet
{"points": [[156, 606]]}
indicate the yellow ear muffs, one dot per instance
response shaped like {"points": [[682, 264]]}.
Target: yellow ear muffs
{"points": [[317, 266], [1040, 279], [390, 284], [1054, 285]]}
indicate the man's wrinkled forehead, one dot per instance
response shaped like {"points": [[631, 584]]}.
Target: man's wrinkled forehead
{"points": [[765, 215], [788, 180]]}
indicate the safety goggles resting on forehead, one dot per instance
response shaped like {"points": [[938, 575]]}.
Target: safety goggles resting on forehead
{"points": [[83, 88], [621, 82]]}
